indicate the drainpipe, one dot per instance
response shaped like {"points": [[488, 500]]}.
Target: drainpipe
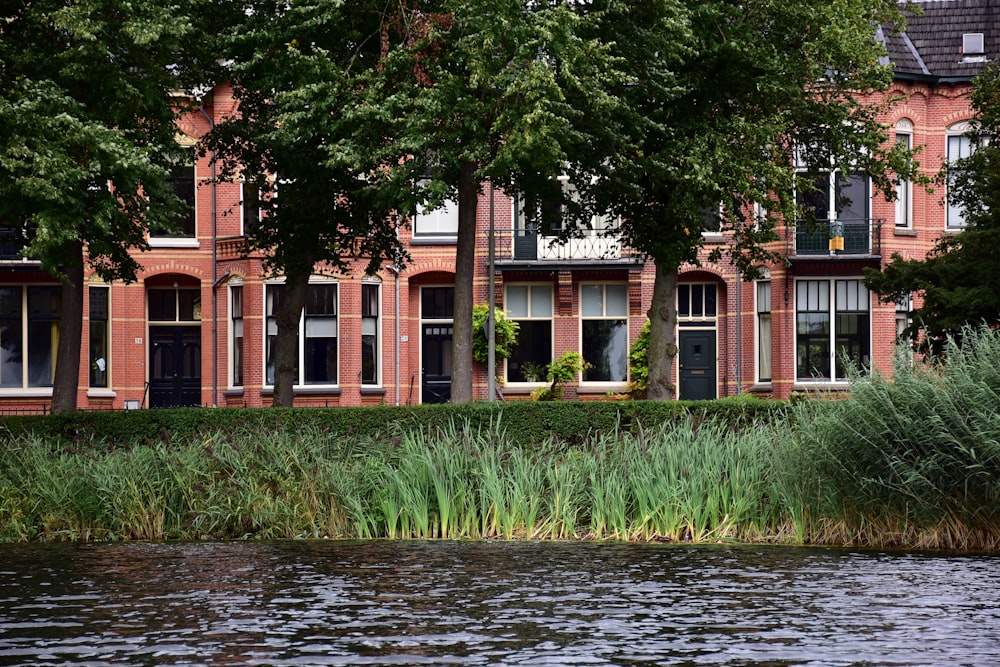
{"points": [[739, 330], [395, 346], [215, 280], [491, 325]]}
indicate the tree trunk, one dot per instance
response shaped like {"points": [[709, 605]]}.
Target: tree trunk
{"points": [[285, 352], [662, 334], [465, 269], [67, 376]]}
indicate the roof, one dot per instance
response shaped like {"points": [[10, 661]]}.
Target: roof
{"points": [[931, 46]]}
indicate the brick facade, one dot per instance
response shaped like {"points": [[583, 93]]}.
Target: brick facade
{"points": [[210, 264]]}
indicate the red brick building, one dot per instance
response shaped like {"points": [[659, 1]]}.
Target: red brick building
{"points": [[194, 329]]}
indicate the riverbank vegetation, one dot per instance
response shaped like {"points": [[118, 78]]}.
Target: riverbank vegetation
{"points": [[912, 462]]}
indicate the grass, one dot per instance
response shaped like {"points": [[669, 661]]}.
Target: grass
{"points": [[913, 462]]}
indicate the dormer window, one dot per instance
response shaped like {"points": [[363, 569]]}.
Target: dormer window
{"points": [[972, 44]]}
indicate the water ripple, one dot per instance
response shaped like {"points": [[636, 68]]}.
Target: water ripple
{"points": [[517, 604]]}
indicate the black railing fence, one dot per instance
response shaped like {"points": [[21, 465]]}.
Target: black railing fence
{"points": [[861, 237]]}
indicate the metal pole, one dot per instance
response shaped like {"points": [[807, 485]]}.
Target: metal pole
{"points": [[491, 331]]}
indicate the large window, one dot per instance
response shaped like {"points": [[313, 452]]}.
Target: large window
{"points": [[960, 145], [182, 177], [604, 315], [904, 188], [832, 326], [236, 336], [531, 307], [249, 207], [29, 334], [764, 331], [317, 356], [100, 349], [370, 309], [438, 224]]}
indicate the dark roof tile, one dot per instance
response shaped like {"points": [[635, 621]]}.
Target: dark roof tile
{"points": [[931, 45]]}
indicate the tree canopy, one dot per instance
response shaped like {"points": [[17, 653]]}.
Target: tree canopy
{"points": [[87, 137], [311, 139], [957, 281], [497, 91], [718, 132]]}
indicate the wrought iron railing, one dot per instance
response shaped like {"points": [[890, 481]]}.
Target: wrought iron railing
{"points": [[861, 237], [529, 245]]}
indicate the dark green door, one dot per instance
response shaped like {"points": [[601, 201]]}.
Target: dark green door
{"points": [[436, 382], [697, 365]]}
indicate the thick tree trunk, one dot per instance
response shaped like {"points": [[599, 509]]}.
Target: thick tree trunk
{"points": [[662, 334], [465, 268], [67, 376], [285, 352]]}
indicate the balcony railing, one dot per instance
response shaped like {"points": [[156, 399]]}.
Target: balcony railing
{"points": [[861, 238], [529, 245]]}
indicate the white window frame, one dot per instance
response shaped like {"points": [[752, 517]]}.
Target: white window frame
{"points": [[954, 213], [904, 188], [183, 241], [438, 225], [107, 334], [25, 388], [604, 384], [708, 320], [550, 318], [236, 282], [379, 341], [760, 310], [300, 380]]}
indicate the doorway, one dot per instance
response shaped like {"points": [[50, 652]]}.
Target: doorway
{"points": [[437, 309], [174, 315], [697, 365], [174, 366]]}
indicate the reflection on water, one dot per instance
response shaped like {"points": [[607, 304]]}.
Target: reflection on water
{"points": [[495, 603]]}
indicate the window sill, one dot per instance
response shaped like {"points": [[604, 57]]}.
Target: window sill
{"points": [[515, 388], [762, 387], [101, 392], [602, 387], [821, 386], [233, 392], [433, 240], [31, 392], [173, 242], [373, 391], [713, 237], [328, 390], [904, 231]]}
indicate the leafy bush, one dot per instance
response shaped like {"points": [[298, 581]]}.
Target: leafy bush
{"points": [[525, 422]]}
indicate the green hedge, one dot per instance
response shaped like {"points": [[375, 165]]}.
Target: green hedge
{"points": [[566, 422]]}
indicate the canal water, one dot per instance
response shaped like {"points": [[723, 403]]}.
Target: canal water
{"points": [[492, 603]]}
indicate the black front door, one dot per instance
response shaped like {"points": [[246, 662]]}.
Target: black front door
{"points": [[174, 366], [697, 365], [436, 376]]}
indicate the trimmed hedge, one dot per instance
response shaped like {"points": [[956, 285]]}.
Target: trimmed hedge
{"points": [[526, 422]]}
